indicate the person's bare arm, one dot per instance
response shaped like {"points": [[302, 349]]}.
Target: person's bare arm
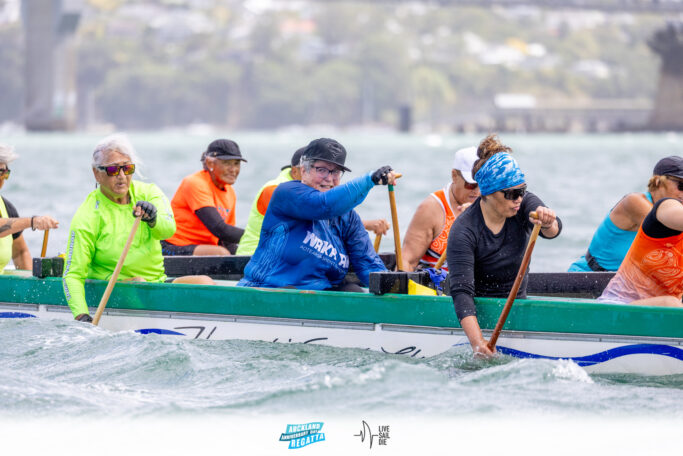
{"points": [[15, 224], [21, 256], [670, 214], [424, 227], [630, 212]]}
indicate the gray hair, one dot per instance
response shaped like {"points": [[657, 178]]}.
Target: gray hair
{"points": [[306, 163], [117, 142], [7, 154]]}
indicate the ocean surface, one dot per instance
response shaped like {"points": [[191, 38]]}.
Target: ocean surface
{"points": [[69, 388]]}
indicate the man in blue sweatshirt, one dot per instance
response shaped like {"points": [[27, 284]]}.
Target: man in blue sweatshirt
{"points": [[311, 234]]}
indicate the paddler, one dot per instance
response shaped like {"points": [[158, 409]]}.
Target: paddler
{"points": [[103, 222], [652, 271], [204, 205], [310, 233], [615, 234], [427, 233], [12, 243], [252, 231], [487, 241]]}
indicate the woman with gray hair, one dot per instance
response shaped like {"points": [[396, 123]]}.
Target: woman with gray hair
{"points": [[103, 222], [12, 243]]}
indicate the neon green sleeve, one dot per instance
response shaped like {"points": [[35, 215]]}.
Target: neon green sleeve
{"points": [[165, 226], [79, 254]]}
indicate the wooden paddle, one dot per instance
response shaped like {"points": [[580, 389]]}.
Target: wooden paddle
{"points": [[515, 286], [117, 270], [394, 221], [378, 240], [442, 260], [44, 249]]}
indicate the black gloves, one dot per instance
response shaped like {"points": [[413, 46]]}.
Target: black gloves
{"points": [[84, 318], [149, 212], [380, 176]]}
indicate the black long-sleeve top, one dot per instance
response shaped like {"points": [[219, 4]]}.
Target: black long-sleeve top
{"points": [[481, 263]]}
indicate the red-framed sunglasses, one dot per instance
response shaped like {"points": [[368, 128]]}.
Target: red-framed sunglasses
{"points": [[114, 170]]}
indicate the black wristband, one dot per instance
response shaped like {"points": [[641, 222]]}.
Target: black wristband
{"points": [[33, 228]]}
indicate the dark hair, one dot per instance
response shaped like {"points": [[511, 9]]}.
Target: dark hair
{"points": [[488, 147]]}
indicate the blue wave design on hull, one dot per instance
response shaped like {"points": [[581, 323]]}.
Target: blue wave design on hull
{"points": [[16, 315], [159, 331], [601, 357]]}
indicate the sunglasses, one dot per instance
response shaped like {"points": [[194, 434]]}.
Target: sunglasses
{"points": [[114, 170], [514, 193], [4, 173], [679, 182], [466, 184]]}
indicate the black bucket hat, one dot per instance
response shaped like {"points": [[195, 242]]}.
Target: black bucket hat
{"points": [[328, 150], [224, 149], [296, 159]]}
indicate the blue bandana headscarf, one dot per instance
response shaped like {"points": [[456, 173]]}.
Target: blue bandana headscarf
{"points": [[497, 173]]}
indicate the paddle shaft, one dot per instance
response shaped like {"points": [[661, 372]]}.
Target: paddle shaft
{"points": [[515, 286], [44, 249], [378, 240], [442, 259], [117, 271], [397, 234]]}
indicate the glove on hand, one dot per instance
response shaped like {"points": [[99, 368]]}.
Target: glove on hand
{"points": [[380, 176], [149, 212]]}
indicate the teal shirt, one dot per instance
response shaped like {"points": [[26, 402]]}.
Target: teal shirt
{"points": [[608, 246]]}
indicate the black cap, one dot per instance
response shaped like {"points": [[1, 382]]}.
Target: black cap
{"points": [[296, 158], [669, 166], [328, 150], [224, 149]]}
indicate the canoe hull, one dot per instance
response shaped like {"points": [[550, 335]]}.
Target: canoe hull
{"points": [[596, 353]]}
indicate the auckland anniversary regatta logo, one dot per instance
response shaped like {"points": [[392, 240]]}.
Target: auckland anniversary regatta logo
{"points": [[300, 435]]}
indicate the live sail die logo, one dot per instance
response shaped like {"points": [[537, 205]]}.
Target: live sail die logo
{"points": [[301, 435], [366, 434]]}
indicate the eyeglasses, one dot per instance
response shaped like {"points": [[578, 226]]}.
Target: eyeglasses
{"points": [[4, 173], [514, 193], [114, 170], [324, 172]]}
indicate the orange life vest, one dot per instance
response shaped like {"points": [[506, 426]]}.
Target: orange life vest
{"points": [[439, 244]]}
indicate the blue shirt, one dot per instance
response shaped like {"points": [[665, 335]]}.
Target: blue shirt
{"points": [[608, 246], [309, 238]]}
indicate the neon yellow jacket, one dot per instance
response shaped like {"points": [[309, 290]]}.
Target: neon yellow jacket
{"points": [[252, 232], [98, 233]]}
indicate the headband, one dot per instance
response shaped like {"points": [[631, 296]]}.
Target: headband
{"points": [[498, 172]]}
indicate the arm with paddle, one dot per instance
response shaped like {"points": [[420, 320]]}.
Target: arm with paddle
{"points": [[544, 220]]}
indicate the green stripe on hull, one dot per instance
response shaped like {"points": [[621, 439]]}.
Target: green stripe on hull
{"points": [[536, 314]]}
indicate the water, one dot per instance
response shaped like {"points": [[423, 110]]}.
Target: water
{"points": [[83, 386]]}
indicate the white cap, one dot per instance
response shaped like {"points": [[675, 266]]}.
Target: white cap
{"points": [[464, 161]]}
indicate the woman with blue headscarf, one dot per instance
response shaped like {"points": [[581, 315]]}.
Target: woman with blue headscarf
{"points": [[486, 243]]}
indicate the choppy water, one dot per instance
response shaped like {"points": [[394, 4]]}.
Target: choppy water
{"points": [[69, 375]]}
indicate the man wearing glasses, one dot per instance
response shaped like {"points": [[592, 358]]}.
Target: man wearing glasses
{"points": [[310, 233], [427, 233]]}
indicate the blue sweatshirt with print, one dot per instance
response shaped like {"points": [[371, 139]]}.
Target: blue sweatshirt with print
{"points": [[309, 238]]}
